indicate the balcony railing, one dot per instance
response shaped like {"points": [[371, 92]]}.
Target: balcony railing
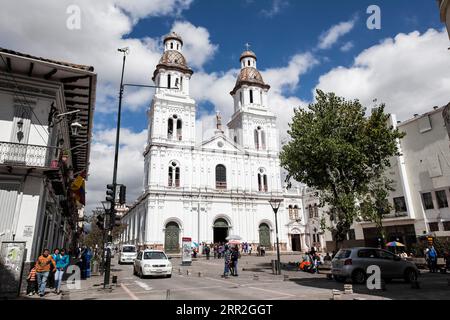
{"points": [[19, 154], [221, 185]]}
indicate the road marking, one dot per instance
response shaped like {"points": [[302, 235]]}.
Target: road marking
{"points": [[143, 285], [272, 291], [131, 294]]}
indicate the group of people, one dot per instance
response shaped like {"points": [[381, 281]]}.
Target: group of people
{"points": [[47, 266], [312, 260], [49, 269], [231, 257]]}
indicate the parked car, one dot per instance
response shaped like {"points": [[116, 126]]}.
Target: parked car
{"points": [[152, 263], [127, 254], [353, 263]]}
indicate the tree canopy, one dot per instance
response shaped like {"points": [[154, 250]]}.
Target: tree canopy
{"points": [[343, 153]]}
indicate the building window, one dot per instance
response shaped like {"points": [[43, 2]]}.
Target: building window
{"points": [[240, 98], [174, 175], [400, 204], [262, 181], [316, 210], [260, 139], [263, 140], [251, 96], [295, 212], [171, 45], [291, 212], [310, 211], [169, 80], [351, 234], [446, 225], [248, 62], [170, 128], [427, 201], [178, 47], [179, 129], [256, 139], [221, 177], [434, 226], [441, 199]]}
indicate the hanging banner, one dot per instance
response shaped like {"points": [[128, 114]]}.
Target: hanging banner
{"points": [[12, 257], [186, 251]]}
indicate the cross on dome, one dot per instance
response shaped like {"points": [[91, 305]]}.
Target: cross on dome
{"points": [[247, 45]]}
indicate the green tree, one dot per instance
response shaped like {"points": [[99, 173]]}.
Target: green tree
{"points": [[337, 150]]}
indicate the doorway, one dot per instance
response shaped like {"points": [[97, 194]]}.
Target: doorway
{"points": [[295, 242], [220, 230], [172, 237], [264, 235]]}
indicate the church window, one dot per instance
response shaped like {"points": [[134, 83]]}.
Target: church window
{"points": [[262, 181], [310, 211], [256, 140], [174, 175], [260, 139], [235, 139], [181, 83], [171, 45], [169, 80], [316, 210], [179, 130], [261, 97], [170, 129], [249, 63], [178, 47], [295, 212], [263, 140], [221, 177], [251, 96], [240, 97], [291, 212]]}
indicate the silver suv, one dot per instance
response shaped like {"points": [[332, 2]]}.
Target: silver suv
{"points": [[353, 263]]}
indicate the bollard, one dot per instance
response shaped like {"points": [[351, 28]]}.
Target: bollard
{"points": [[348, 289], [336, 294]]}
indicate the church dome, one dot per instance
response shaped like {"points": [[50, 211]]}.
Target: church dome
{"points": [[172, 60], [173, 36], [249, 76], [248, 54]]}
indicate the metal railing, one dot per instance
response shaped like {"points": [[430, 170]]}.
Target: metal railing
{"points": [[19, 154]]}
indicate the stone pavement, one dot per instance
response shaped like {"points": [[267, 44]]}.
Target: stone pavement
{"points": [[202, 281]]}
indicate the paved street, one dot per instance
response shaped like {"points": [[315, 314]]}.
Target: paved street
{"points": [[211, 286]]}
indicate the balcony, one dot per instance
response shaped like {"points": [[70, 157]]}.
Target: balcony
{"points": [[27, 155]]}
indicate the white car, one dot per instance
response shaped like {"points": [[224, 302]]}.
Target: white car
{"points": [[152, 263], [128, 254]]}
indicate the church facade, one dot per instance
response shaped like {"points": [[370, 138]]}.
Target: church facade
{"points": [[207, 190]]}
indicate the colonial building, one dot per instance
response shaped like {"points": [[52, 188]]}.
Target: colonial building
{"points": [[421, 178], [46, 114], [210, 189]]}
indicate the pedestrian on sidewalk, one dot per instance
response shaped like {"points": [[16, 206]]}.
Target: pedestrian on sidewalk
{"points": [[250, 248], [62, 262], [432, 259], [43, 264], [51, 280], [207, 250], [227, 259], [32, 287], [235, 255]]}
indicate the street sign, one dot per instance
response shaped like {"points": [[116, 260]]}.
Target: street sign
{"points": [[186, 251]]}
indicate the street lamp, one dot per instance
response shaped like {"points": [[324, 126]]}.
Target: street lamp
{"points": [[275, 204]]}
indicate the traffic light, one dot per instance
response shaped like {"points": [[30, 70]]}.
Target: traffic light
{"points": [[110, 189], [100, 222], [115, 221], [122, 194]]}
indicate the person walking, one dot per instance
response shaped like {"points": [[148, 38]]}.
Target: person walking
{"points": [[227, 259], [32, 287], [62, 262], [250, 248], [207, 250], [51, 280], [43, 270], [234, 261], [432, 259]]}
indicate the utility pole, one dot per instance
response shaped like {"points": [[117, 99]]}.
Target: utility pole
{"points": [[112, 210]]}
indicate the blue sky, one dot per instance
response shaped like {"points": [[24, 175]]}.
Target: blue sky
{"points": [[301, 46], [295, 28]]}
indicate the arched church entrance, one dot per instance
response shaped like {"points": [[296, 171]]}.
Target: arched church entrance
{"points": [[172, 237], [220, 229], [264, 235]]}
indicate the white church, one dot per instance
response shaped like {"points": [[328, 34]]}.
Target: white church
{"points": [[207, 190]]}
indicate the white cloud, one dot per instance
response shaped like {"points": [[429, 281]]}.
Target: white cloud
{"points": [[409, 73], [330, 37], [197, 46], [275, 8], [130, 168], [347, 46]]}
